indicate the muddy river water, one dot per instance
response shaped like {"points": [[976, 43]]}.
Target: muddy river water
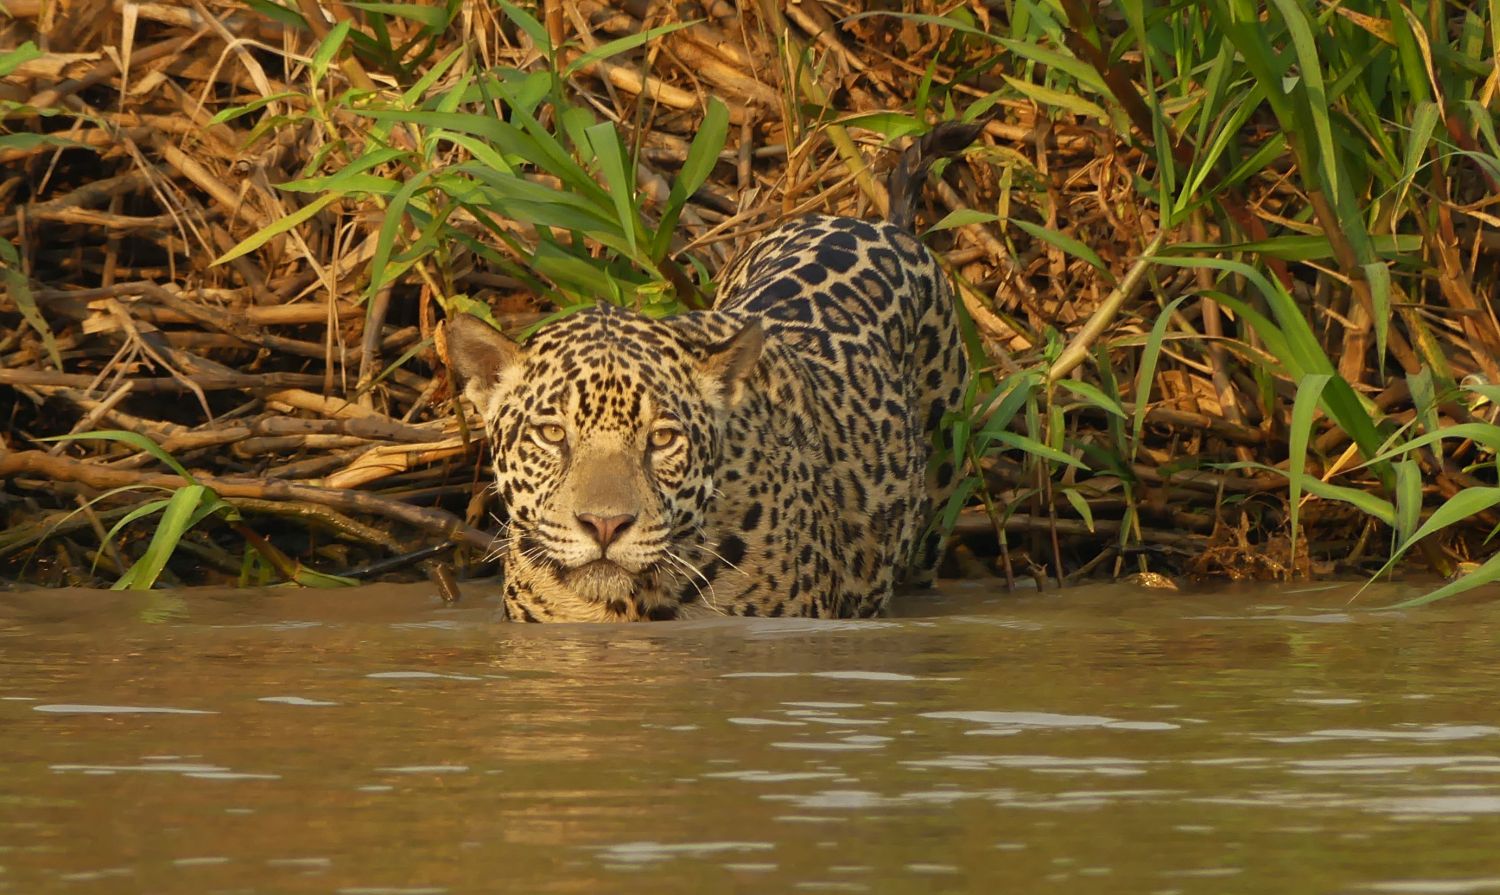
{"points": [[1105, 739]]}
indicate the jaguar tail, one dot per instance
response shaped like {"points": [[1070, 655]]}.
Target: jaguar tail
{"points": [[945, 140]]}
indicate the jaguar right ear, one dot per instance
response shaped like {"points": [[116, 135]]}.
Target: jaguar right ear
{"points": [[729, 364], [480, 355]]}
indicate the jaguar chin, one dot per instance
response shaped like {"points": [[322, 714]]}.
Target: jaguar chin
{"points": [[602, 581]]}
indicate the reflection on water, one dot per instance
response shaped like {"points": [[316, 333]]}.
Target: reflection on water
{"points": [[1101, 740]]}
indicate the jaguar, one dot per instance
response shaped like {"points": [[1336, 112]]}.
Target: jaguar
{"points": [[780, 454]]}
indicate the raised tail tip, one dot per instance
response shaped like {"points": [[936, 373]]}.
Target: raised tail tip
{"points": [[945, 140]]}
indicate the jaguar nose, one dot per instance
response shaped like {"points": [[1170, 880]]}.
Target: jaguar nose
{"points": [[605, 529]]}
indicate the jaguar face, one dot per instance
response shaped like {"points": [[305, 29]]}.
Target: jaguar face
{"points": [[605, 430]]}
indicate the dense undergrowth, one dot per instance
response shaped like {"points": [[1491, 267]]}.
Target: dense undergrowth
{"points": [[1230, 267]]}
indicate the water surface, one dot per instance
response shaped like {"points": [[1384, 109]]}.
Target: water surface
{"points": [[1105, 739]]}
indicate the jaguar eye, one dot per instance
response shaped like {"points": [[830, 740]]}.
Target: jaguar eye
{"points": [[663, 438], [551, 433]]}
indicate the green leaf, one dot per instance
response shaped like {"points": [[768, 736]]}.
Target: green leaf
{"points": [[129, 439], [1309, 391], [702, 155], [329, 48], [345, 181], [483, 152], [1423, 122], [254, 105], [1080, 506], [1485, 574], [523, 199], [1056, 98], [145, 509], [1491, 392], [622, 45], [28, 141], [1423, 398], [265, 235], [1080, 71], [19, 290], [1303, 247], [578, 275], [1146, 375], [1485, 434], [10, 60], [963, 217], [1311, 70], [1067, 244], [367, 162], [1359, 498], [1461, 507], [175, 520], [1093, 395], [432, 18], [528, 24], [1032, 446], [414, 94], [605, 141], [1378, 276], [276, 12], [956, 502], [309, 578], [891, 125], [1408, 497], [1014, 392]]}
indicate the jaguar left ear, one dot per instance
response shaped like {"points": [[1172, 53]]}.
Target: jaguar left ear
{"points": [[729, 363]]}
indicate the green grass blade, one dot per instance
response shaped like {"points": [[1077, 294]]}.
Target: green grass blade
{"points": [[1057, 99], [263, 236], [1408, 498], [1310, 68], [130, 439], [414, 94], [306, 577], [528, 24], [1080, 506], [605, 142], [145, 509], [1146, 374], [1031, 446], [328, 48], [12, 59], [1485, 434], [1378, 276], [963, 217], [19, 290], [891, 125], [255, 105], [1485, 574], [1359, 498], [431, 18], [702, 155], [175, 520], [1093, 395], [1014, 392], [1067, 244], [1309, 391], [621, 45], [1461, 507]]}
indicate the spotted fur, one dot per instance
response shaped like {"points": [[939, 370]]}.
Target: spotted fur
{"points": [[773, 456]]}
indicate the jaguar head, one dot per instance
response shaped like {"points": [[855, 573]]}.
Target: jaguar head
{"points": [[606, 430]]}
